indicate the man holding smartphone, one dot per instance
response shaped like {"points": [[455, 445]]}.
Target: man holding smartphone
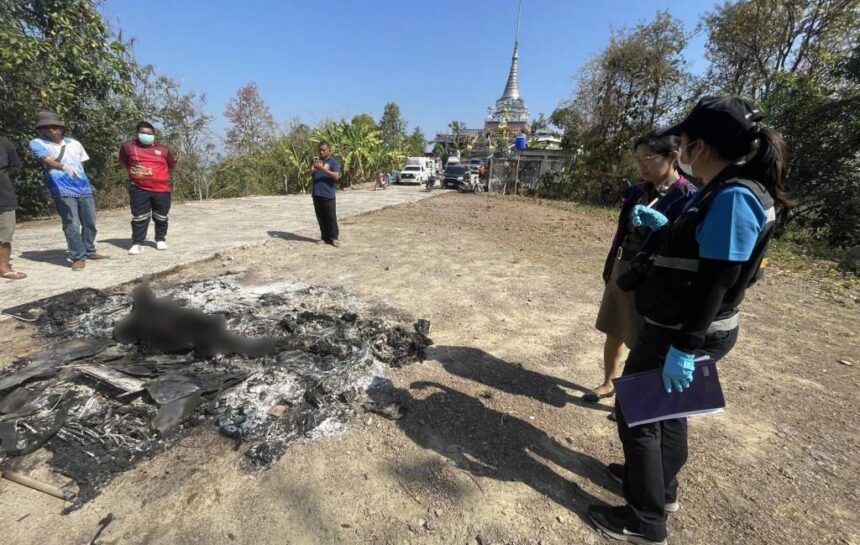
{"points": [[325, 173]]}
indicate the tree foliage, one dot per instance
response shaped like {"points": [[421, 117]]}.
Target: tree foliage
{"points": [[752, 40], [638, 81], [799, 60], [393, 127], [59, 55], [415, 143], [251, 120]]}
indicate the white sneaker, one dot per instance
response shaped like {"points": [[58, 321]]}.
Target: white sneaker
{"points": [[160, 245], [135, 249]]}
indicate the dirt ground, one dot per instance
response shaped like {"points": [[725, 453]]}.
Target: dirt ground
{"points": [[495, 446]]}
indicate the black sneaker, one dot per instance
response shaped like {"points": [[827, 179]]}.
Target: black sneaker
{"points": [[616, 472], [612, 522]]}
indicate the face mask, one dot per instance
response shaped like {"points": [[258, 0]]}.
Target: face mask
{"points": [[687, 168], [146, 139]]}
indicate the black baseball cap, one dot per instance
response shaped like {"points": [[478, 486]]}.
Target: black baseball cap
{"points": [[721, 115]]}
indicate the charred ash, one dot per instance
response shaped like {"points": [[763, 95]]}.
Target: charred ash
{"points": [[128, 376]]}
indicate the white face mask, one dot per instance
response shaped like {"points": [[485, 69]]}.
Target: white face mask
{"points": [[687, 168]]}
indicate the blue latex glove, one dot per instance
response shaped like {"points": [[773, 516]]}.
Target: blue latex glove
{"points": [[678, 370], [642, 215]]}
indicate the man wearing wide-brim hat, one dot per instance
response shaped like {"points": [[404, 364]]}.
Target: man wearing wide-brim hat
{"points": [[63, 161]]}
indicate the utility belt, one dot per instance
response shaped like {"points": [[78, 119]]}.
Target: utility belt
{"points": [[723, 324]]}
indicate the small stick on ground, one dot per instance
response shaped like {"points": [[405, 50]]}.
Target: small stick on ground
{"points": [[103, 523], [29, 482]]}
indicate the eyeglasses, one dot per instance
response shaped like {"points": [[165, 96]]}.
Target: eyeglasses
{"points": [[647, 158]]}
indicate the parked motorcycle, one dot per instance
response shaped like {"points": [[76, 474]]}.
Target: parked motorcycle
{"points": [[469, 186]]}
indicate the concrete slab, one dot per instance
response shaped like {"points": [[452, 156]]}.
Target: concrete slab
{"points": [[198, 230]]}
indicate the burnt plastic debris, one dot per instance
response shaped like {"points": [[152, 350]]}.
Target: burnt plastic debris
{"points": [[47, 362], [130, 375], [61, 311], [170, 388]]}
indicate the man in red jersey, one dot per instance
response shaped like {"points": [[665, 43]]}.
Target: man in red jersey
{"points": [[149, 166]]}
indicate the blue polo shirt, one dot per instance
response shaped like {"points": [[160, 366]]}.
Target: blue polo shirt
{"points": [[323, 185], [732, 225]]}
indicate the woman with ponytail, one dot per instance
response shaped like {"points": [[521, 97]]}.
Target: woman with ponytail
{"points": [[705, 261]]}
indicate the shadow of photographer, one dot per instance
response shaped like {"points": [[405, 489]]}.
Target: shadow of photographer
{"points": [[493, 444], [513, 378]]}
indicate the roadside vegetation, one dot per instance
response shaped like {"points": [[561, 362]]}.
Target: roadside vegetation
{"points": [[798, 59]]}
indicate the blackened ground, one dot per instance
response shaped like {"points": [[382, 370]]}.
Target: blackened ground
{"points": [[327, 348]]}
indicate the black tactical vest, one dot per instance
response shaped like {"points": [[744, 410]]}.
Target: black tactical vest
{"points": [[661, 297]]}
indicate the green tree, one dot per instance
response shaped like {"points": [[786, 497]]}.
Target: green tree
{"points": [[60, 55], [799, 59], [366, 121], [752, 40], [821, 126], [393, 127], [567, 118], [627, 89], [457, 128], [415, 143]]}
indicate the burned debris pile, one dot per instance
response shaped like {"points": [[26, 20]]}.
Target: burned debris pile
{"points": [[126, 376]]}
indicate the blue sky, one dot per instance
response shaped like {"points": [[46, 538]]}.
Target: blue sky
{"points": [[440, 60]]}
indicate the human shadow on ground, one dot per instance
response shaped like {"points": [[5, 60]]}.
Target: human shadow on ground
{"points": [[488, 443], [284, 235], [479, 366], [125, 243], [53, 257], [121, 243]]}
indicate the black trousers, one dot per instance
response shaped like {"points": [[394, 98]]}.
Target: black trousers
{"points": [[143, 205], [655, 453], [326, 211]]}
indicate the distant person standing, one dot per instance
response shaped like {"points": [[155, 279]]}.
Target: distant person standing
{"points": [[63, 159], [9, 163], [325, 173], [149, 166]]}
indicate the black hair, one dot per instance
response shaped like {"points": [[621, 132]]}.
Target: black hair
{"points": [[323, 143], [144, 125], [760, 150], [661, 145]]}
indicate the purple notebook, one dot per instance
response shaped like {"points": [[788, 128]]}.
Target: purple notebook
{"points": [[644, 400]]}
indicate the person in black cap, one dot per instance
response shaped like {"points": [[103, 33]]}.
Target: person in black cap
{"points": [[690, 298]]}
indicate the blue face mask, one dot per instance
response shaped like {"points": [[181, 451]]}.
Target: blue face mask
{"points": [[146, 139]]}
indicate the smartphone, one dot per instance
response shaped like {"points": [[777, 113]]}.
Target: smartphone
{"points": [[316, 159]]}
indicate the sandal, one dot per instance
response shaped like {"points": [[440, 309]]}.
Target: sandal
{"points": [[594, 397], [13, 275]]}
